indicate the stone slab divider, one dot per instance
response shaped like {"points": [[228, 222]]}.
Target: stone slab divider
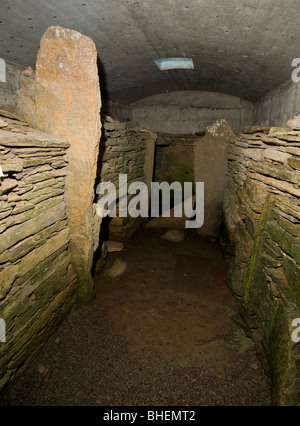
{"points": [[63, 99]]}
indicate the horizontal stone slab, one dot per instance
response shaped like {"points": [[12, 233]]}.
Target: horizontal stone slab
{"points": [[116, 125], [7, 185], [43, 153], [289, 244], [281, 185], [57, 164], [38, 177], [31, 227], [289, 206], [22, 207], [20, 151], [39, 327], [24, 247], [294, 163], [36, 138], [277, 171], [43, 194], [12, 166], [272, 248], [37, 161], [39, 208]]}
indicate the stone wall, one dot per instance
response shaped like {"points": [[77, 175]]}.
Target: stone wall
{"points": [[262, 217], [278, 106], [190, 111], [127, 149], [116, 110], [37, 281], [9, 88]]}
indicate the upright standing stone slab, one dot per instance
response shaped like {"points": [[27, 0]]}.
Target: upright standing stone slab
{"points": [[211, 164], [69, 108]]}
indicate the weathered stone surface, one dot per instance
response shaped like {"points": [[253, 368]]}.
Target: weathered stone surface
{"points": [[3, 123], [212, 151], [7, 185], [265, 279], [174, 236], [256, 191], [294, 124], [294, 163], [12, 166], [283, 186], [137, 146], [35, 270], [292, 273], [24, 247], [255, 129], [279, 172], [289, 245], [114, 246], [117, 269], [31, 227], [37, 139], [68, 108], [276, 155], [33, 213], [279, 131]]}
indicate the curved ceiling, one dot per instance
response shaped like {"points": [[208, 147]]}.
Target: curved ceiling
{"points": [[240, 47]]}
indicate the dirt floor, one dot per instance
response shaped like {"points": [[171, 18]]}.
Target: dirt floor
{"points": [[157, 335]]}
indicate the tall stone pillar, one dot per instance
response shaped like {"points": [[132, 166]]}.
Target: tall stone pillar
{"points": [[211, 164], [69, 107]]}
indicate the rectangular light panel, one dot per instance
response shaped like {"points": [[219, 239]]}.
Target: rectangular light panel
{"points": [[174, 63]]}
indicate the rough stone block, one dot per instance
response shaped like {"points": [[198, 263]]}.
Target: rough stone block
{"points": [[69, 108], [31, 227]]}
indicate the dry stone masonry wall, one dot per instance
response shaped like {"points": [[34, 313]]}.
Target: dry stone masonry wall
{"points": [[262, 216], [122, 151], [37, 281], [125, 148]]}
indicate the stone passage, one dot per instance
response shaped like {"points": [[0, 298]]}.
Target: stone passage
{"points": [[174, 160], [37, 281], [262, 215]]}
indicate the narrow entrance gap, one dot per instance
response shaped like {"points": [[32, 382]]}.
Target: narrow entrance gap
{"points": [[169, 302]]}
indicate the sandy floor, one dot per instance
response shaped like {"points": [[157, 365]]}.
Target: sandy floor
{"points": [[159, 334]]}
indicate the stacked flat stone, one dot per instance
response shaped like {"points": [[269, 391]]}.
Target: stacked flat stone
{"points": [[122, 151], [262, 218], [37, 281]]}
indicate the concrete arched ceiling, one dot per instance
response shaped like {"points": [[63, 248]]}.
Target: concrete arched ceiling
{"points": [[240, 47]]}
